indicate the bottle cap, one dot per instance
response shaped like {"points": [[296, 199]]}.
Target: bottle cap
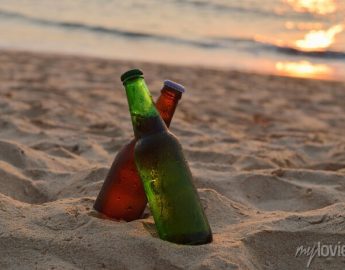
{"points": [[173, 85], [131, 74]]}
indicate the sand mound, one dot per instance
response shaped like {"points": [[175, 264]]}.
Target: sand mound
{"points": [[267, 154]]}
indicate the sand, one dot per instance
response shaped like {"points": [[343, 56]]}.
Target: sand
{"points": [[267, 154]]}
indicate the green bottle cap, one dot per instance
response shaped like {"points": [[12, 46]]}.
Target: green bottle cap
{"points": [[131, 74]]}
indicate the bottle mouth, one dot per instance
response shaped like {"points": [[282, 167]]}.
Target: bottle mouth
{"points": [[174, 85], [131, 74]]}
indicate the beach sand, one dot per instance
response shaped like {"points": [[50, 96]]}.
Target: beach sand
{"points": [[267, 154]]}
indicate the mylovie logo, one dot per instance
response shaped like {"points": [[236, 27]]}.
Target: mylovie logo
{"points": [[321, 250]]}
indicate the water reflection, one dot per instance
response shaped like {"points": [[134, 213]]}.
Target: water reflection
{"points": [[321, 7], [318, 40], [303, 26], [304, 69]]}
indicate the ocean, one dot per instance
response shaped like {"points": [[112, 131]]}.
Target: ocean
{"points": [[300, 38]]}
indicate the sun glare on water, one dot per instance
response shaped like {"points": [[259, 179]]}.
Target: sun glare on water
{"points": [[318, 40], [303, 69], [321, 7]]}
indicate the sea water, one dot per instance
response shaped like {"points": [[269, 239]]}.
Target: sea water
{"points": [[304, 38]]}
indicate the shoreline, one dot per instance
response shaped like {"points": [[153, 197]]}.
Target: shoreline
{"points": [[160, 63]]}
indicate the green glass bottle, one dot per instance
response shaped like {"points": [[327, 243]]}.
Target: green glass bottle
{"points": [[163, 169]]}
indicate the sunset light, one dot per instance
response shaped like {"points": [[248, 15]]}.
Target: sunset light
{"points": [[303, 69], [321, 7], [319, 40]]}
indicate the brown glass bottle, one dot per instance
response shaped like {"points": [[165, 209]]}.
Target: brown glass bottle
{"points": [[122, 195]]}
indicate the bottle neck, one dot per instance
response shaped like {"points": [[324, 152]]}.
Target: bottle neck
{"points": [[144, 115], [167, 103]]}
